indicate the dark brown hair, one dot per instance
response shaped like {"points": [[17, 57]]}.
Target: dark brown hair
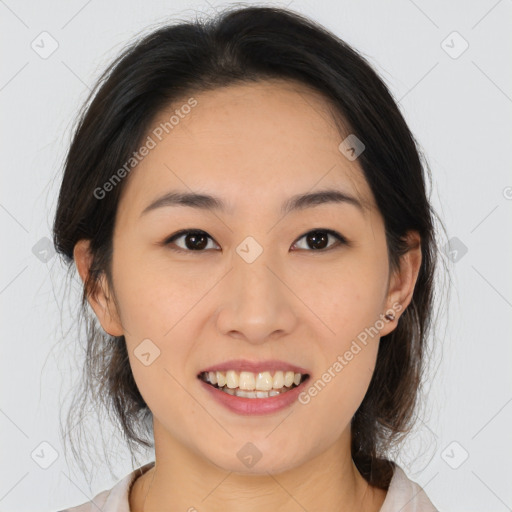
{"points": [[241, 45]]}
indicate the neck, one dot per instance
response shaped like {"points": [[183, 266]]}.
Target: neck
{"points": [[181, 480]]}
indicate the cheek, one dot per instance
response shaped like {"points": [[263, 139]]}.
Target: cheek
{"points": [[347, 297], [337, 392], [155, 293], [157, 308], [345, 293]]}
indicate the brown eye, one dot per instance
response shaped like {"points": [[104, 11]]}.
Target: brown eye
{"points": [[194, 240], [197, 240], [318, 239]]}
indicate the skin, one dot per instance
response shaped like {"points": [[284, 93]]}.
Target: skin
{"points": [[199, 314]]}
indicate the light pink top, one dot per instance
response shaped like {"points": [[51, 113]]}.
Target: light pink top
{"points": [[403, 495]]}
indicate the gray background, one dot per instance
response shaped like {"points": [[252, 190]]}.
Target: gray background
{"points": [[459, 107]]}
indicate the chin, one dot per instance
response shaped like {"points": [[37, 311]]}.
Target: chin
{"points": [[249, 460]]}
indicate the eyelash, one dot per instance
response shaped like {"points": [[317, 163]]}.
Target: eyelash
{"points": [[341, 239]]}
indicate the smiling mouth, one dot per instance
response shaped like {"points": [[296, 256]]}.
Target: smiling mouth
{"points": [[253, 385]]}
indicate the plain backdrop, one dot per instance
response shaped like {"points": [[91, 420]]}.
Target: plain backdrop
{"points": [[448, 66]]}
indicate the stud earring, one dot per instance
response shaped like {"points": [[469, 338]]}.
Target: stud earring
{"points": [[390, 316]]}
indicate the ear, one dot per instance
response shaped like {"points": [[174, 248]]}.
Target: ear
{"points": [[402, 282], [100, 299]]}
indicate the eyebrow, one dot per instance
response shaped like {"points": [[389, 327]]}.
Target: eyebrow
{"points": [[294, 203]]}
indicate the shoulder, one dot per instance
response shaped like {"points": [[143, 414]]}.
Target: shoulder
{"points": [[115, 499], [405, 495]]}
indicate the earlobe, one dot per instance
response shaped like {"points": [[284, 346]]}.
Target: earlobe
{"points": [[99, 299]]}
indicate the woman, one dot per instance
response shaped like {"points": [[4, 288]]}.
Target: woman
{"points": [[246, 208]]}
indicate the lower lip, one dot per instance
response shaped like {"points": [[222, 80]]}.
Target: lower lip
{"points": [[249, 406]]}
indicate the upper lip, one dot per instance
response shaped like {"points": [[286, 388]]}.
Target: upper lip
{"points": [[241, 365]]}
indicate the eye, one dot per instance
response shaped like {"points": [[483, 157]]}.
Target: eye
{"points": [[197, 240], [318, 238]]}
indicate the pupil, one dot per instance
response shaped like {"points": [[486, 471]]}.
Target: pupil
{"points": [[313, 239], [194, 237]]}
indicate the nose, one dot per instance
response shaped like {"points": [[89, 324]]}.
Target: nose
{"points": [[257, 304]]}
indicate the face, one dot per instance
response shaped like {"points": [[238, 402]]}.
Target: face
{"points": [[258, 283]]}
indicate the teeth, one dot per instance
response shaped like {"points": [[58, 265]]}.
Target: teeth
{"points": [[231, 379], [264, 381], [246, 381], [278, 382], [254, 394], [249, 381], [221, 379]]}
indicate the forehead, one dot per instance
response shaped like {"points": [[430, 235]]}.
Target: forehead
{"points": [[262, 142]]}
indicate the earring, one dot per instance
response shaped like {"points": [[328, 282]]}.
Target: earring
{"points": [[390, 316]]}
